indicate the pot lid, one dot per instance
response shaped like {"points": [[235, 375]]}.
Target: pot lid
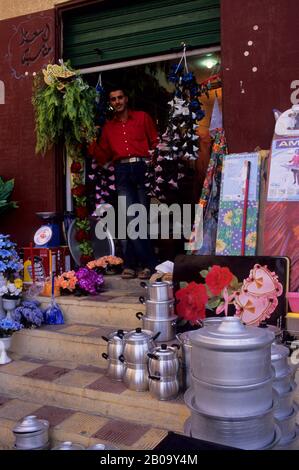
{"points": [[278, 351], [119, 334], [273, 328], [138, 336], [159, 284], [231, 334], [165, 352], [68, 445], [31, 424]]}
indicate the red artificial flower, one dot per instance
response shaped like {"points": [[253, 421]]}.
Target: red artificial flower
{"points": [[82, 235], [81, 212], [218, 278], [84, 259], [79, 190], [192, 302], [76, 167]]}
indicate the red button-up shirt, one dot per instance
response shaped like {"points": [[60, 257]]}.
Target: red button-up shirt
{"points": [[125, 139]]}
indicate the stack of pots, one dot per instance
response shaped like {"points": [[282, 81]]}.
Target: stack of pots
{"points": [[163, 366], [137, 344], [231, 397], [115, 347], [184, 340], [159, 305], [284, 385], [32, 434]]}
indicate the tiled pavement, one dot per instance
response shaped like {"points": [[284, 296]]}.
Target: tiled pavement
{"points": [[80, 427]]}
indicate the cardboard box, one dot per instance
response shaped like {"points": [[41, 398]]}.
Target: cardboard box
{"points": [[61, 260]]}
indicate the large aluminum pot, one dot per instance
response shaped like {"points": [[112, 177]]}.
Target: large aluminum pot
{"points": [[166, 327], [115, 344], [231, 353], [158, 290], [283, 383], [163, 361], [163, 388], [288, 426], [160, 310], [285, 403], [136, 377], [279, 359], [250, 433], [31, 433], [115, 368], [228, 401], [137, 343]]}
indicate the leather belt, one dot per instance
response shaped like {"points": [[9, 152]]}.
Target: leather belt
{"points": [[131, 160]]}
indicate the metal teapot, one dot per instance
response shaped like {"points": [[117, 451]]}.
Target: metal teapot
{"points": [[31, 433], [163, 361], [137, 343], [115, 344]]}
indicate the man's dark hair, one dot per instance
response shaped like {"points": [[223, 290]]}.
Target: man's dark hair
{"points": [[115, 87]]}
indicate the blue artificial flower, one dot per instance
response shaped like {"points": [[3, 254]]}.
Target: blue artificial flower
{"points": [[188, 77]]}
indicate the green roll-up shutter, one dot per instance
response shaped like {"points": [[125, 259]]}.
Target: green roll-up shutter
{"points": [[111, 31]]}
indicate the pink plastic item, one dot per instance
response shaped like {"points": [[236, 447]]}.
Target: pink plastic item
{"points": [[293, 298]]}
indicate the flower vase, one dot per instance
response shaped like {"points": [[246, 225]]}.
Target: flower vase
{"points": [[2, 311], [4, 346], [9, 305]]}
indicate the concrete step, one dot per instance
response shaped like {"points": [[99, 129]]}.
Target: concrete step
{"points": [[86, 388], [72, 342], [78, 427], [115, 309], [129, 285]]}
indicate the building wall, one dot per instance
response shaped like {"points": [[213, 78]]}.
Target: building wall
{"points": [[249, 97], [13, 8], [26, 45]]}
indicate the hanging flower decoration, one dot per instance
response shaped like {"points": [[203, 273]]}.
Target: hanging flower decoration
{"points": [[179, 143], [100, 180]]}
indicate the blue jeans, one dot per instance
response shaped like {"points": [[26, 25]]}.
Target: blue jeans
{"points": [[130, 182]]}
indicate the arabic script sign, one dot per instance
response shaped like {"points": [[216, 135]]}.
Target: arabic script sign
{"points": [[31, 46]]}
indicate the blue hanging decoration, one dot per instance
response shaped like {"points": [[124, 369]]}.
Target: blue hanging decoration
{"points": [[179, 142]]}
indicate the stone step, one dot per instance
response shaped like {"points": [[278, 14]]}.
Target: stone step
{"points": [[72, 342], [86, 388], [129, 285], [78, 427], [113, 309]]}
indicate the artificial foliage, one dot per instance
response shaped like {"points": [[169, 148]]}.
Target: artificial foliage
{"points": [[6, 188], [64, 107]]}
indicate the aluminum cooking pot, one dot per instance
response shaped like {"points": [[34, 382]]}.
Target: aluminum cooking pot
{"points": [[231, 353], [136, 377], [156, 309], [163, 361], [279, 359], [166, 327], [137, 343], [31, 433], [115, 368], [158, 291], [163, 388], [115, 344]]}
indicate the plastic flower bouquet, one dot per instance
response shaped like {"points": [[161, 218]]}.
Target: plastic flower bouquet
{"points": [[108, 264], [67, 282], [8, 327], [28, 314], [89, 281], [10, 263], [11, 290]]}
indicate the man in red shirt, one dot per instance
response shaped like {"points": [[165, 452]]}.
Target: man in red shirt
{"points": [[126, 141]]}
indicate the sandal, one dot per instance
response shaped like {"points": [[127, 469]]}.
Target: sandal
{"points": [[128, 274], [144, 274]]}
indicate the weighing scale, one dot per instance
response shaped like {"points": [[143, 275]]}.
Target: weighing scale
{"points": [[48, 234]]}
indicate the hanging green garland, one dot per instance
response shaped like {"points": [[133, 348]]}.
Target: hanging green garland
{"points": [[64, 112]]}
